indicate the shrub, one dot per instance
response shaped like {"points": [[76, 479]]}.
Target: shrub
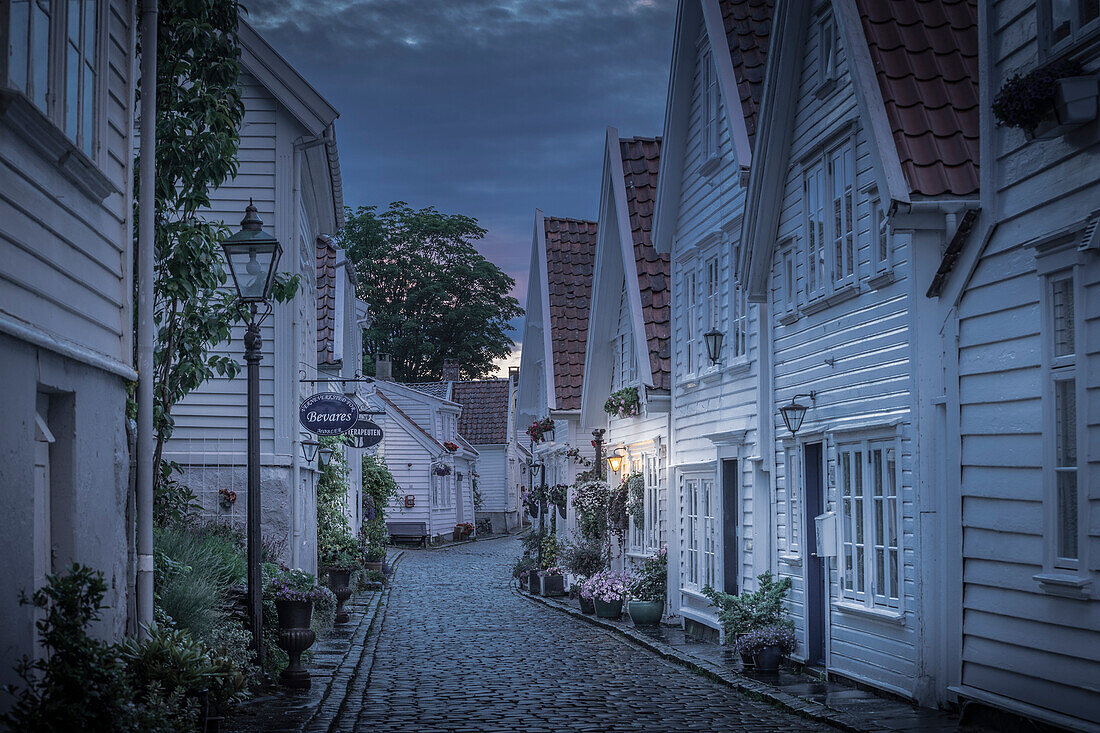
{"points": [[379, 486], [591, 500], [583, 557], [635, 497], [651, 582], [743, 613], [757, 640], [523, 565], [192, 573], [373, 537]]}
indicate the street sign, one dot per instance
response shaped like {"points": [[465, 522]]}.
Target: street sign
{"points": [[365, 434], [328, 413]]}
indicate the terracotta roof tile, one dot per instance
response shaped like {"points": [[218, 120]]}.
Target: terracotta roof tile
{"points": [[748, 29], [484, 418], [432, 389], [925, 54], [570, 251], [641, 161], [326, 302]]}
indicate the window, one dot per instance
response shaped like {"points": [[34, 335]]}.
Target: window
{"points": [[622, 349], [829, 221], [792, 482], [53, 60], [710, 108], [710, 532], [690, 315], [1061, 370], [699, 566], [714, 304], [691, 513], [788, 275], [652, 503], [870, 522], [826, 56], [1065, 22], [879, 235]]}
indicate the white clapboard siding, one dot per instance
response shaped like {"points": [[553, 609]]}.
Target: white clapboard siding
{"points": [[492, 465], [399, 448], [65, 254], [1019, 642], [855, 356]]}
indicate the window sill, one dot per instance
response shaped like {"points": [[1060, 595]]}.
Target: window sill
{"points": [[818, 304], [878, 614], [709, 166], [795, 561], [740, 365], [1064, 583], [20, 114], [788, 318], [881, 279]]}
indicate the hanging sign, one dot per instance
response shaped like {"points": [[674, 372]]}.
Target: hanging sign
{"points": [[365, 434], [328, 413]]}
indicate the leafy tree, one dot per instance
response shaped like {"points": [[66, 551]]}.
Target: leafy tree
{"points": [[432, 294], [199, 114]]}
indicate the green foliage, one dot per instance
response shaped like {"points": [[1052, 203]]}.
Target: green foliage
{"points": [[524, 564], [372, 538], [743, 613], [379, 486], [635, 497], [337, 547], [475, 487], [650, 581], [548, 551], [584, 557], [199, 114], [432, 294], [173, 501]]}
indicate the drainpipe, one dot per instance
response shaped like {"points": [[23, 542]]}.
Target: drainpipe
{"points": [[145, 335]]}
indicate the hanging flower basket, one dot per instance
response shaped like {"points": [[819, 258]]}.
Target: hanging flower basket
{"points": [[623, 403], [1048, 101], [442, 470], [540, 429], [452, 447]]}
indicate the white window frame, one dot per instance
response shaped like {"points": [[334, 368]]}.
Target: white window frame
{"points": [[691, 314], [699, 557], [1080, 33], [842, 207], [860, 586], [788, 276], [827, 66], [652, 477], [710, 106], [825, 274], [814, 222], [880, 238], [791, 539], [56, 104]]}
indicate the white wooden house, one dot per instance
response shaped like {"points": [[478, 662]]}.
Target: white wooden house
{"points": [[289, 167], [66, 284], [863, 172], [552, 360], [435, 482], [627, 346], [721, 495], [1022, 409]]}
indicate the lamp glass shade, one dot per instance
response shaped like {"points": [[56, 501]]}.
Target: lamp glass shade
{"points": [[309, 450], [252, 256], [713, 339], [324, 456], [793, 415], [614, 463]]}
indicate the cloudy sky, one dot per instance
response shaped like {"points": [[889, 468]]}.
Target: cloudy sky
{"points": [[488, 108]]}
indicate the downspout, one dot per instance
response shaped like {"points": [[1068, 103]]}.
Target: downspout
{"points": [[145, 334], [766, 426], [298, 520]]}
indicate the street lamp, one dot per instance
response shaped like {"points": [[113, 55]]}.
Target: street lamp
{"points": [[252, 255], [794, 413], [713, 339], [615, 462]]}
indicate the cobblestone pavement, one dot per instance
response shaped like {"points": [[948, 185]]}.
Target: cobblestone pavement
{"points": [[458, 650]]}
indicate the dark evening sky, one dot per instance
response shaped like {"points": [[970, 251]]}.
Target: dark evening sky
{"points": [[488, 108]]}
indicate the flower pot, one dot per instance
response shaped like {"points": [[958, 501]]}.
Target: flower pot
{"points": [[608, 609], [368, 565], [295, 637], [523, 581], [1075, 100], [458, 535], [551, 585], [645, 613], [339, 582], [767, 659], [587, 606]]}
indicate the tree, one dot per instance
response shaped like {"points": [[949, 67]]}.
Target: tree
{"points": [[432, 295], [199, 114]]}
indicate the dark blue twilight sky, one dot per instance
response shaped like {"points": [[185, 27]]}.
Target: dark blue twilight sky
{"points": [[488, 108]]}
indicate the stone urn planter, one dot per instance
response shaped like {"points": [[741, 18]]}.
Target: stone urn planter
{"points": [[766, 661], [551, 585], [645, 613], [295, 637], [608, 609], [339, 582], [587, 606]]}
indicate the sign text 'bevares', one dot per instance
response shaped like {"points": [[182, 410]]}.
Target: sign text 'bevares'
{"points": [[328, 413]]}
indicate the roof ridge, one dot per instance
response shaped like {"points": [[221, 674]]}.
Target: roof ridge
{"points": [[568, 218]]}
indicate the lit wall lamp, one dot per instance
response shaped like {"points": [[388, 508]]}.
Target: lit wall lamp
{"points": [[309, 450], [615, 462], [713, 339], [794, 413]]}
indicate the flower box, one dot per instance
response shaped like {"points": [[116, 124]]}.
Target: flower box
{"points": [[551, 585]]}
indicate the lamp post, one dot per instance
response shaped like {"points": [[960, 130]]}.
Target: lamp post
{"points": [[252, 255], [597, 443]]}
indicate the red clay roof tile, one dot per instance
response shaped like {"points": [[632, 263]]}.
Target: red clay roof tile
{"points": [[570, 251], [748, 28], [484, 418]]}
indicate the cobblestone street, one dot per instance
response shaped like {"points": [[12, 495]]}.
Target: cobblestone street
{"points": [[459, 651]]}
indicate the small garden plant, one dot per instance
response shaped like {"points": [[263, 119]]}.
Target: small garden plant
{"points": [[650, 583], [763, 607], [1024, 101], [623, 403], [607, 586]]}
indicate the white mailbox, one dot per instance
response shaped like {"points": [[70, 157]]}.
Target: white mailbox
{"points": [[826, 534]]}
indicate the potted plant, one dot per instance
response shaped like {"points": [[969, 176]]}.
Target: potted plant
{"points": [[522, 568], [1048, 101], [623, 403], [766, 646], [608, 589], [340, 561], [541, 430], [741, 614], [648, 590], [295, 592], [451, 447], [373, 538], [552, 582], [442, 470]]}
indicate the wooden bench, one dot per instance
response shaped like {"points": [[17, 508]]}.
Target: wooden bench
{"points": [[414, 532]]}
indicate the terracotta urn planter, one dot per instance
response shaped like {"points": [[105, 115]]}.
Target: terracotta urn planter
{"points": [[295, 637], [339, 582]]}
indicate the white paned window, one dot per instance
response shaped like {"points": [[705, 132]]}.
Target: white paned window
{"points": [[826, 54], [789, 277], [714, 303], [829, 221], [691, 314], [792, 482], [691, 533], [708, 140], [1061, 370], [842, 210], [814, 205], [709, 539], [53, 59], [739, 323], [870, 522], [1065, 22], [879, 231], [652, 503]]}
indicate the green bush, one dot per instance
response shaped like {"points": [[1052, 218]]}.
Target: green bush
{"points": [[373, 537], [584, 557], [379, 486], [193, 571], [746, 612]]}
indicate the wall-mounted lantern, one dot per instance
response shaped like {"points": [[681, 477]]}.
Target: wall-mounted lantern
{"points": [[615, 462], [309, 450], [324, 456], [713, 339], [794, 413]]}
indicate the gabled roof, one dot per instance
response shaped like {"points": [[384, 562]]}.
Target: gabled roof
{"points": [[421, 435], [925, 56], [326, 302], [641, 160], [439, 390], [484, 418], [570, 250], [748, 25]]}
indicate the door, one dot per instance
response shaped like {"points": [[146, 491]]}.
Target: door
{"points": [[731, 516], [816, 595]]}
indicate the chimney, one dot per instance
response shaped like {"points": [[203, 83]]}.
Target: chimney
{"points": [[450, 371], [513, 374], [383, 367]]}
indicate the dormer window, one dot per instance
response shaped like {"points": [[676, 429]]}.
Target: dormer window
{"points": [[826, 55], [709, 109]]}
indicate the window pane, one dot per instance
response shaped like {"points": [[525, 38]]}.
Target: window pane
{"points": [[1090, 11], [1067, 514], [90, 14], [1061, 23], [1065, 423], [20, 28], [72, 89], [1063, 307], [40, 52], [74, 21]]}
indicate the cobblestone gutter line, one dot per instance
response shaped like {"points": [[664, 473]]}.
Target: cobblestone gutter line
{"points": [[755, 688]]}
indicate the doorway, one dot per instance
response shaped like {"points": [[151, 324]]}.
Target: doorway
{"points": [[731, 518], [816, 595]]}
